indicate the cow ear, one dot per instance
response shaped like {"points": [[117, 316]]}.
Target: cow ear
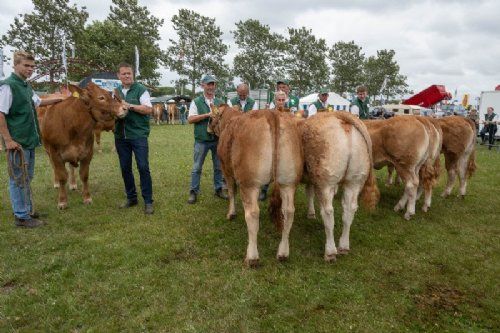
{"points": [[116, 95], [75, 90]]}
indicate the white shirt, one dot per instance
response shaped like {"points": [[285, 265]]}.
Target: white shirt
{"points": [[312, 109], [496, 118], [355, 110], [145, 98], [193, 110], [243, 103], [298, 108], [6, 99]]}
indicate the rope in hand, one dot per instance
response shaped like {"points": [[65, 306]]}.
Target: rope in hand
{"points": [[16, 161]]}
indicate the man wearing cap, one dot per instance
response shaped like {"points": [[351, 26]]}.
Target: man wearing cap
{"points": [[182, 111], [292, 102], [244, 102], [359, 106], [320, 105], [131, 136], [199, 115]]}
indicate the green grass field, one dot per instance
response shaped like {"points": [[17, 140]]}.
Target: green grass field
{"points": [[100, 269]]}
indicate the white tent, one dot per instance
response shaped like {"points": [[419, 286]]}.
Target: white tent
{"points": [[335, 100]]}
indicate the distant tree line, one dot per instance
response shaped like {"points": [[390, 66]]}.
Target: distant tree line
{"points": [[198, 48]]}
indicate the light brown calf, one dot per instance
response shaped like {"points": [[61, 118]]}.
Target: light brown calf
{"points": [[157, 112]]}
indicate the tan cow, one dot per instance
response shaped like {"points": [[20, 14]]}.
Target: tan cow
{"points": [[403, 142], [67, 132], [256, 148], [459, 149], [172, 113], [338, 152], [157, 112]]}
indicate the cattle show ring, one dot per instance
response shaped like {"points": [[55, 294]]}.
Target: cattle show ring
{"points": [[316, 210]]}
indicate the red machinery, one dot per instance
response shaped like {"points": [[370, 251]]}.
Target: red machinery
{"points": [[429, 96]]}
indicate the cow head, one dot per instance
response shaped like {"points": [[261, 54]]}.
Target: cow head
{"points": [[218, 118], [103, 105]]}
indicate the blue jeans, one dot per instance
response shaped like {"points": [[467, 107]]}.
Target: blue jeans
{"points": [[20, 196], [200, 152], [183, 119], [125, 148]]}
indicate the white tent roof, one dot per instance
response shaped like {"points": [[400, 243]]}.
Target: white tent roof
{"points": [[333, 99]]}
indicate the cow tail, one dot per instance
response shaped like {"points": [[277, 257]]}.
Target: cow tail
{"points": [[471, 164], [426, 174], [370, 193], [275, 202]]}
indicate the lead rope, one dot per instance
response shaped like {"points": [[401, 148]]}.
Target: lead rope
{"points": [[21, 180]]}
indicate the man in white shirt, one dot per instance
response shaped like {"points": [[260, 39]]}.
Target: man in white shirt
{"points": [[244, 102], [320, 105]]}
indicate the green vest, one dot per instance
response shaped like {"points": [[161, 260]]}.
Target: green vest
{"points": [[489, 117], [134, 125], [182, 109], [320, 108], [22, 121], [200, 128], [293, 102], [248, 106], [363, 107]]}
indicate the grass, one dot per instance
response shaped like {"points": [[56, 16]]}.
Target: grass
{"points": [[100, 269]]}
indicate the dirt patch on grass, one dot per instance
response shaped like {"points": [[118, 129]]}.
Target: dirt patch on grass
{"points": [[439, 298], [184, 254], [8, 286]]}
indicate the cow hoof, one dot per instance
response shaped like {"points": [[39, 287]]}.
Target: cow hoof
{"points": [[397, 208], [425, 209], [408, 216], [444, 195], [282, 258], [252, 263], [62, 205], [100, 151], [330, 258], [56, 185], [342, 250], [73, 187], [461, 196], [87, 201], [311, 216], [231, 217]]}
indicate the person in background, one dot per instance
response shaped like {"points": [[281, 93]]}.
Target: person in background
{"points": [[199, 115], [490, 126], [292, 102], [20, 129], [359, 106], [474, 116], [131, 136], [183, 111], [321, 105], [244, 102]]}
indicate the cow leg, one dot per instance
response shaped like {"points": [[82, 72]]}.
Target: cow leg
{"points": [[231, 193], [412, 187], [451, 168], [84, 177], [349, 208], [72, 178], [311, 213], [249, 196], [462, 174], [288, 208], [390, 171], [98, 140], [405, 176], [61, 174], [325, 199]]}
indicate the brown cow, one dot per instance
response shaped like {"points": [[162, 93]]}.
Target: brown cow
{"points": [[157, 112], [403, 142], [459, 149], [268, 149], [172, 113], [67, 133], [338, 151]]}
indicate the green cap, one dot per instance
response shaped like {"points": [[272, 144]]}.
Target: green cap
{"points": [[323, 91], [283, 81], [208, 78]]}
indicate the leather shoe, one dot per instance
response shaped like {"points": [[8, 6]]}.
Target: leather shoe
{"points": [[128, 204], [220, 193], [25, 223], [262, 195], [148, 209], [192, 197]]}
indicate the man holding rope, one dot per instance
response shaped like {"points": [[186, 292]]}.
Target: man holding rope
{"points": [[21, 132]]}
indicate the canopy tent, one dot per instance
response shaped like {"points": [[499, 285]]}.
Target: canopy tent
{"points": [[334, 99]]}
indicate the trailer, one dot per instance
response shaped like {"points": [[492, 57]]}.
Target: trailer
{"points": [[429, 96], [487, 99]]}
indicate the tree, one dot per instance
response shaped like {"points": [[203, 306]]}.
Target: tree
{"points": [[347, 66], [42, 30], [261, 53], [199, 49], [305, 61], [112, 41], [383, 67]]}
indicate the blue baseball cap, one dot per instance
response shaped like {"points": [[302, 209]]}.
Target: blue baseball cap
{"points": [[208, 79]]}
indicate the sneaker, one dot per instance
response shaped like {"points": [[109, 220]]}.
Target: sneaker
{"points": [[25, 223], [192, 197], [128, 204], [220, 193], [148, 209]]}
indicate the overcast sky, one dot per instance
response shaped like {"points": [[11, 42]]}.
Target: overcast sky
{"points": [[455, 43]]}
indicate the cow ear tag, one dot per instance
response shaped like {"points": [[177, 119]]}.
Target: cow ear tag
{"points": [[215, 110], [76, 94]]}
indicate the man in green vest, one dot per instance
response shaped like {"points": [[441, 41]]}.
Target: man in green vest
{"points": [[490, 122], [242, 101], [199, 115], [292, 101], [21, 132], [359, 106], [321, 105], [131, 136], [183, 111]]}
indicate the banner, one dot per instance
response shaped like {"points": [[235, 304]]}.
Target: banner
{"points": [[137, 73], [1, 64], [465, 100]]}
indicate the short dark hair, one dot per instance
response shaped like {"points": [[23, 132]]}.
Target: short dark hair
{"points": [[126, 65], [361, 89]]}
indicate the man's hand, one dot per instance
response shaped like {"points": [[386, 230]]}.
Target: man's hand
{"points": [[12, 145]]}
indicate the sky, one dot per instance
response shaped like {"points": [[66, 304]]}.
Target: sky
{"points": [[453, 43]]}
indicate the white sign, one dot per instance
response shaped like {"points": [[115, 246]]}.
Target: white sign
{"points": [[107, 84]]}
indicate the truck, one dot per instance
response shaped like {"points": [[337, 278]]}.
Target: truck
{"points": [[487, 99], [429, 96]]}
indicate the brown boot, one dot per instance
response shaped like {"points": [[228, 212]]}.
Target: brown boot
{"points": [[25, 223]]}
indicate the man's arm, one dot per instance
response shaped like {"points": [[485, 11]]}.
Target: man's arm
{"points": [[4, 132], [145, 108], [193, 116]]}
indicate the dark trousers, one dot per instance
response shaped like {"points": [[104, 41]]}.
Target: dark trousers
{"points": [[140, 148], [491, 130]]}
